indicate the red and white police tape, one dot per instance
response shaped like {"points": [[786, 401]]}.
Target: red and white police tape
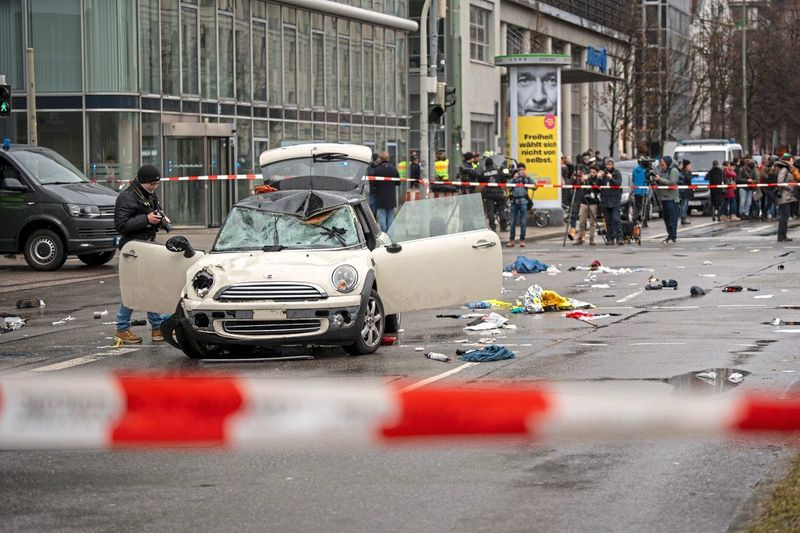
{"points": [[146, 410]]}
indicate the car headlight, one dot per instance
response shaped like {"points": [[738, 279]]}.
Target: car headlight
{"points": [[344, 278], [202, 282], [86, 211]]}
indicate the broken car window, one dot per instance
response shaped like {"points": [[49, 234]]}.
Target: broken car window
{"points": [[248, 229]]}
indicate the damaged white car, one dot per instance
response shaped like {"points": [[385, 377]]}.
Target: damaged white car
{"points": [[307, 264]]}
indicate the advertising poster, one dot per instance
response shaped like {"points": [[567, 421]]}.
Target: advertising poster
{"points": [[534, 84]]}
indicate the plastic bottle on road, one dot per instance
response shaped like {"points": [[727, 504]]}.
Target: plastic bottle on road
{"points": [[438, 357]]}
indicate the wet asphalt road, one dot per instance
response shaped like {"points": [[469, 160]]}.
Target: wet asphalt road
{"points": [[656, 344]]}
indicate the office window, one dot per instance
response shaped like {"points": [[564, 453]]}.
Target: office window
{"points": [[318, 68], [481, 135], [478, 33], [190, 66], [289, 65], [11, 51], [260, 60], [225, 63], [170, 50], [331, 85], [344, 73], [356, 97], [63, 132], [369, 79], [244, 89], [110, 45], [275, 55], [55, 34], [113, 144], [208, 49], [304, 59], [380, 72]]}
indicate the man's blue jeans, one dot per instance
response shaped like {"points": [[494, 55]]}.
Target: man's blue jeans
{"points": [[124, 318], [519, 210], [669, 210], [385, 217], [745, 200]]}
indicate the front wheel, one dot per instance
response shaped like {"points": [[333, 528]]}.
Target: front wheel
{"points": [[44, 250], [97, 259], [370, 327], [194, 349]]}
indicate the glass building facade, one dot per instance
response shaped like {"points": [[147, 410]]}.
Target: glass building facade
{"points": [[200, 87]]}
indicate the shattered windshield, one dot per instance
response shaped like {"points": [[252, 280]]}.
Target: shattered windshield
{"points": [[248, 229]]}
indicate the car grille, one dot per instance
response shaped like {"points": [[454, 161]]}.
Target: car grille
{"points": [[106, 210], [277, 292], [96, 233], [271, 327]]}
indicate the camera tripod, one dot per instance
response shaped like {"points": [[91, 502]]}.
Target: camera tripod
{"points": [[592, 218]]}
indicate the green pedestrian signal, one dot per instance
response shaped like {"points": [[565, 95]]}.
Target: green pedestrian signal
{"points": [[5, 100]]}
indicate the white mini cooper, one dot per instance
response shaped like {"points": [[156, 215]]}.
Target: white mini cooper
{"points": [[307, 263]]}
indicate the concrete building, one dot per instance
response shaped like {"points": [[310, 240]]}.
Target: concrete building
{"points": [[202, 87]]}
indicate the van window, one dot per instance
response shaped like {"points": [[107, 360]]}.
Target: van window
{"points": [[701, 161], [47, 167]]}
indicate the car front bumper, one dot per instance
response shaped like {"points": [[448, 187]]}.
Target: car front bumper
{"points": [[324, 322]]}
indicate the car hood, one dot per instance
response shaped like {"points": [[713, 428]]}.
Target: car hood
{"points": [[309, 266], [83, 193]]}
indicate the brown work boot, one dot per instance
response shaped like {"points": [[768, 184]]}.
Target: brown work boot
{"points": [[578, 242], [156, 335], [571, 233], [127, 337]]}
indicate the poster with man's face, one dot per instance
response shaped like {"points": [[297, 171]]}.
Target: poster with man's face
{"points": [[534, 92]]}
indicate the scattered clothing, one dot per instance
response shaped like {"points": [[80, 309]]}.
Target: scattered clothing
{"points": [[494, 352], [523, 265]]}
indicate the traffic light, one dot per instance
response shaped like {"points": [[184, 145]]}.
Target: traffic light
{"points": [[5, 100], [437, 107], [449, 97]]}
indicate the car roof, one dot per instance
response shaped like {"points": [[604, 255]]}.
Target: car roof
{"points": [[352, 151]]}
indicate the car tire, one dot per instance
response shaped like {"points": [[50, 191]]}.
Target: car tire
{"points": [[392, 324], [370, 327], [97, 259], [194, 349], [44, 250]]}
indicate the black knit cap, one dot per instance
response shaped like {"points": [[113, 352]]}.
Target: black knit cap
{"points": [[148, 174]]}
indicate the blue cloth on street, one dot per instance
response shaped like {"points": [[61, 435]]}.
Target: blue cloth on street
{"points": [[523, 265], [490, 353]]}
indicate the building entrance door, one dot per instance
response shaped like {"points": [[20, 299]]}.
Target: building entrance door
{"points": [[198, 149]]}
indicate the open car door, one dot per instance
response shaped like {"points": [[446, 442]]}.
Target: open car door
{"points": [[151, 278], [447, 256]]}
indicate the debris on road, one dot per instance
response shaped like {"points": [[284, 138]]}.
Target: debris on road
{"points": [[495, 352], [736, 377], [781, 322], [10, 323], [438, 357], [64, 320], [100, 314], [588, 317], [707, 262], [539, 300], [388, 340], [732, 288], [762, 297], [697, 291], [523, 265], [29, 302]]}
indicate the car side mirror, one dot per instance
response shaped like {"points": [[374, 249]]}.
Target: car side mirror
{"points": [[393, 248], [12, 184], [179, 243]]}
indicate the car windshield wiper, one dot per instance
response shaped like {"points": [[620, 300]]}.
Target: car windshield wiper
{"points": [[334, 232], [273, 248]]}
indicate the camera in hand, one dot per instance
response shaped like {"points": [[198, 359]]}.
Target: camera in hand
{"points": [[166, 226]]}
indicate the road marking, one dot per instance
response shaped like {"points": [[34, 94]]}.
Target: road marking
{"points": [[741, 305], [437, 377], [629, 297], [69, 363], [658, 343], [679, 307]]}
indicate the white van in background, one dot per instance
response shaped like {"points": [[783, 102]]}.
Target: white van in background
{"points": [[702, 153]]}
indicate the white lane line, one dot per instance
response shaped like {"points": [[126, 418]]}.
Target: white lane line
{"points": [[69, 363], [658, 343], [678, 307], [629, 297], [741, 305], [437, 377]]}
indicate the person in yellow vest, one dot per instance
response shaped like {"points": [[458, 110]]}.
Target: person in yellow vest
{"points": [[440, 170], [402, 168]]}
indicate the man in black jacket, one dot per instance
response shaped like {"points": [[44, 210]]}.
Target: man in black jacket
{"points": [[610, 201], [494, 201], [137, 218], [385, 191]]}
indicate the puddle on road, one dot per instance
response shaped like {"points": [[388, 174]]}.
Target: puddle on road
{"points": [[706, 381]]}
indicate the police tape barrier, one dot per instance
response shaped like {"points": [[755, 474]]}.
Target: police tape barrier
{"points": [[155, 411]]}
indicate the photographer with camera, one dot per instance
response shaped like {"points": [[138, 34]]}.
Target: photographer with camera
{"points": [[138, 217], [611, 200], [670, 206], [588, 206]]}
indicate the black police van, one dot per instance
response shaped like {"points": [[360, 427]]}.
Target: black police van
{"points": [[48, 210]]}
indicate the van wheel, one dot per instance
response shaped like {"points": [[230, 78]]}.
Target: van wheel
{"points": [[370, 327], [100, 258], [44, 250]]}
